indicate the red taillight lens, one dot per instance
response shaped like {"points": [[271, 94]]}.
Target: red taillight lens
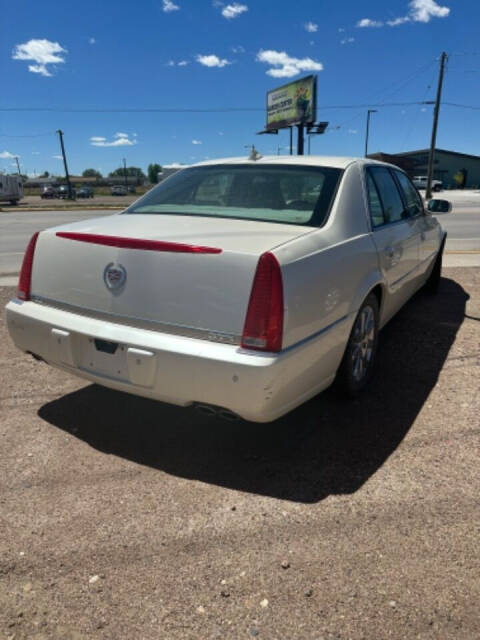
{"points": [[263, 328], [25, 279]]}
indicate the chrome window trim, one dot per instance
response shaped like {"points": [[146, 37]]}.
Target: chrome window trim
{"points": [[386, 224]]}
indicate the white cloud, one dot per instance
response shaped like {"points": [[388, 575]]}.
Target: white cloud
{"points": [[238, 49], [311, 27], [169, 6], [35, 153], [347, 40], [43, 52], [197, 142], [181, 63], [212, 61], [341, 30], [58, 157], [353, 131], [424, 10], [284, 66], [91, 41], [366, 22], [41, 69], [234, 10], [120, 140], [397, 21], [7, 154], [418, 11]]}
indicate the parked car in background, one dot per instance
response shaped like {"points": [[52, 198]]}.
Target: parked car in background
{"points": [[241, 287], [85, 192], [48, 192], [421, 183], [11, 188], [63, 192], [119, 190]]}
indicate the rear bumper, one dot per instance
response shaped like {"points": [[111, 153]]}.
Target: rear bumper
{"points": [[176, 369]]}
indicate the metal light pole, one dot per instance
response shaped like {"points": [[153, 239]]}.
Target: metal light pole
{"points": [[368, 129], [18, 166], [125, 173]]}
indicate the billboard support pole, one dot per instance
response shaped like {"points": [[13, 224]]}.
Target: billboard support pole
{"points": [[291, 141], [300, 140]]}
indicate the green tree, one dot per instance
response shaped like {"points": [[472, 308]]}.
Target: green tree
{"points": [[153, 170], [45, 174], [92, 173], [131, 171]]}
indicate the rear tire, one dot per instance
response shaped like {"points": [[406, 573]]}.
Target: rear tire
{"points": [[359, 358]]}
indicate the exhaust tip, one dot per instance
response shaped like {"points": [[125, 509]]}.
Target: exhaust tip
{"points": [[218, 412]]}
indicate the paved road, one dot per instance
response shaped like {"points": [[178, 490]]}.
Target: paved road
{"points": [[16, 227], [124, 518]]}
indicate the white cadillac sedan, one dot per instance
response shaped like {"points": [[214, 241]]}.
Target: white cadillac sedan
{"points": [[243, 287]]}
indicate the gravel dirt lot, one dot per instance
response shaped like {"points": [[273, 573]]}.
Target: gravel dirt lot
{"points": [[123, 518]]}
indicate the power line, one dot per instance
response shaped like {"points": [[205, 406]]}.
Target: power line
{"points": [[191, 110], [33, 135], [462, 106]]}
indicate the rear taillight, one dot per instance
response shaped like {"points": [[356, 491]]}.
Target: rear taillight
{"points": [[264, 322], [25, 279]]}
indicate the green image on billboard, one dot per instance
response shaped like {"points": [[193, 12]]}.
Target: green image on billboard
{"points": [[293, 103]]}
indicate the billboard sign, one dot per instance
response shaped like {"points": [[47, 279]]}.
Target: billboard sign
{"points": [[294, 103]]}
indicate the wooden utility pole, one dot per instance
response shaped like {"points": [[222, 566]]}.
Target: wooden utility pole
{"points": [[431, 155], [18, 165], [67, 177]]}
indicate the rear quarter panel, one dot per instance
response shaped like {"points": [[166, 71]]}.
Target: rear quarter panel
{"points": [[327, 274]]}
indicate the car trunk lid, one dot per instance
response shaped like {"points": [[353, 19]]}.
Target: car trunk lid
{"points": [[182, 274]]}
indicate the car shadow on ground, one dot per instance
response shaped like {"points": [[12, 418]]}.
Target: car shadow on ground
{"points": [[328, 446]]}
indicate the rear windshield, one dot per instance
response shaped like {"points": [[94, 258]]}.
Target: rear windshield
{"points": [[286, 194]]}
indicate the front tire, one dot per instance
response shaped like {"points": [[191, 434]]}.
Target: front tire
{"points": [[359, 358]]}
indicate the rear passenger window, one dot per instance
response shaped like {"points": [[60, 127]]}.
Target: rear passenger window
{"points": [[410, 194], [393, 209], [376, 209]]}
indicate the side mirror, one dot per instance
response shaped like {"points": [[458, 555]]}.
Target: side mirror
{"points": [[439, 206]]}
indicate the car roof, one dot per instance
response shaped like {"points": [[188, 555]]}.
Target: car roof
{"points": [[339, 162]]}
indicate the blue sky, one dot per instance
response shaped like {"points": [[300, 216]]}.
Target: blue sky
{"points": [[200, 54]]}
